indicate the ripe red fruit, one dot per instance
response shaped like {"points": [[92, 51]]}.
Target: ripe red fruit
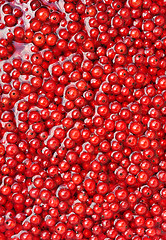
{"points": [[135, 3], [38, 39], [42, 14], [10, 20], [162, 83]]}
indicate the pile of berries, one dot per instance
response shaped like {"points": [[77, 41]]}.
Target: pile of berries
{"points": [[83, 119]]}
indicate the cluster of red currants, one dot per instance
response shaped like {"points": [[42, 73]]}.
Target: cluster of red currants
{"points": [[83, 119]]}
